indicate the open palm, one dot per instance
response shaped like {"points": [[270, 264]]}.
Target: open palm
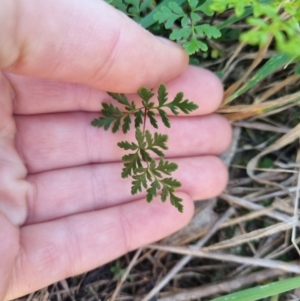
{"points": [[64, 209]]}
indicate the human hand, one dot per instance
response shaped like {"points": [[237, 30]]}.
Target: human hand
{"points": [[64, 209]]}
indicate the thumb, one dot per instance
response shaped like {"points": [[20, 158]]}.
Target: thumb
{"points": [[86, 42]]}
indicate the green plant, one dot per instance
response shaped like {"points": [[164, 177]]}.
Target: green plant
{"points": [[145, 171], [263, 291], [189, 25], [269, 18], [191, 28], [132, 8], [117, 270]]}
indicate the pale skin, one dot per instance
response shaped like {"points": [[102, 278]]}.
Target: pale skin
{"points": [[64, 209]]}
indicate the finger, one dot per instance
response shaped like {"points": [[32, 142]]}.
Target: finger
{"points": [[13, 188], [63, 192], [9, 247], [82, 242], [86, 42], [64, 140], [36, 96]]}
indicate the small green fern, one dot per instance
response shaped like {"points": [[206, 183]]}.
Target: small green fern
{"points": [[146, 172]]}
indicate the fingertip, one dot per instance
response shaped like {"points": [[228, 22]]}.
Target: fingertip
{"points": [[214, 84], [216, 179], [221, 176], [201, 86], [223, 131]]}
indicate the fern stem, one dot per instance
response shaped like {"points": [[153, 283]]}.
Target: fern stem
{"points": [[145, 119]]}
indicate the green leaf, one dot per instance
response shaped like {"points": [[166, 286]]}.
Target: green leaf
{"points": [[152, 119], [195, 17], [149, 19], [194, 46], [126, 124], [126, 145], [132, 162], [208, 30], [149, 176], [166, 167], [185, 22], [149, 139], [138, 182], [104, 122], [263, 291], [155, 141], [138, 118], [121, 98], [171, 182], [152, 164], [129, 157], [164, 118], [116, 125], [162, 95], [145, 155], [169, 14], [181, 34], [163, 15], [185, 106], [164, 194], [176, 8], [193, 4], [109, 109], [145, 94], [152, 191], [145, 4], [205, 8], [160, 140], [176, 201], [131, 107], [157, 151], [172, 105], [156, 173], [140, 137]]}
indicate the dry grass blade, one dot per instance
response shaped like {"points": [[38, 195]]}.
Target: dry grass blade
{"points": [[239, 112], [296, 208], [252, 206], [261, 126], [243, 57], [257, 234], [223, 287], [236, 53], [267, 263], [186, 259], [124, 276], [277, 87], [246, 217], [286, 139], [261, 54]]}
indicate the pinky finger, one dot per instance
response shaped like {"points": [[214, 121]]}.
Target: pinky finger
{"points": [[65, 247]]}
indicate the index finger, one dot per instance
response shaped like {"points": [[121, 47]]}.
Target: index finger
{"points": [[86, 42]]}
